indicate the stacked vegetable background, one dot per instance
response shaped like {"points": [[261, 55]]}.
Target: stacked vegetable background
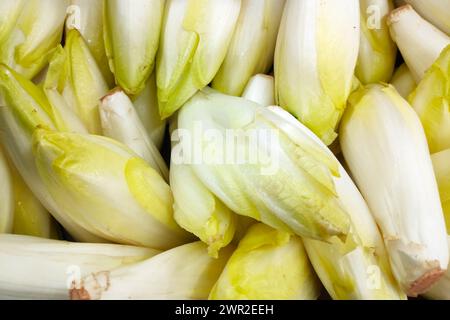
{"points": [[99, 101]]}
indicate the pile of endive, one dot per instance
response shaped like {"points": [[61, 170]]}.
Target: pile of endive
{"points": [[211, 149]]}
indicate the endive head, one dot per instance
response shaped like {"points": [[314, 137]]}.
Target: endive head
{"points": [[107, 188], [385, 146], [314, 65], [377, 52], [431, 101], [194, 40], [419, 42], [75, 77], [267, 264], [38, 30], [262, 163], [252, 47], [131, 32]]}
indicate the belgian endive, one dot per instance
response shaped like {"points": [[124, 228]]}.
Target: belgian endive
{"points": [[36, 268], [132, 29], [26, 108], [37, 31], [268, 264], [315, 59], [121, 122], [252, 47], [435, 11], [6, 196], [107, 188], [377, 52], [403, 81], [236, 150], [419, 42], [75, 79], [195, 38], [263, 163], [386, 150], [431, 101], [87, 17], [185, 272]]}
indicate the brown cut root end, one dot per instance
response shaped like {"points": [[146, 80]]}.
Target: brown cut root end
{"points": [[424, 283], [111, 93], [79, 294], [395, 14]]}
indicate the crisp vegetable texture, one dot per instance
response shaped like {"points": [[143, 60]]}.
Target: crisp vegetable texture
{"points": [[385, 148], [267, 264], [314, 65], [224, 150], [431, 100]]}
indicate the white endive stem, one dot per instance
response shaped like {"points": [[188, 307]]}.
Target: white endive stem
{"points": [[385, 147], [36, 268], [435, 11], [268, 264], [418, 40], [87, 17], [6, 196], [185, 272], [260, 89], [131, 33], [38, 30], [146, 105], [121, 122], [315, 59], [403, 81], [27, 108], [252, 47]]}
